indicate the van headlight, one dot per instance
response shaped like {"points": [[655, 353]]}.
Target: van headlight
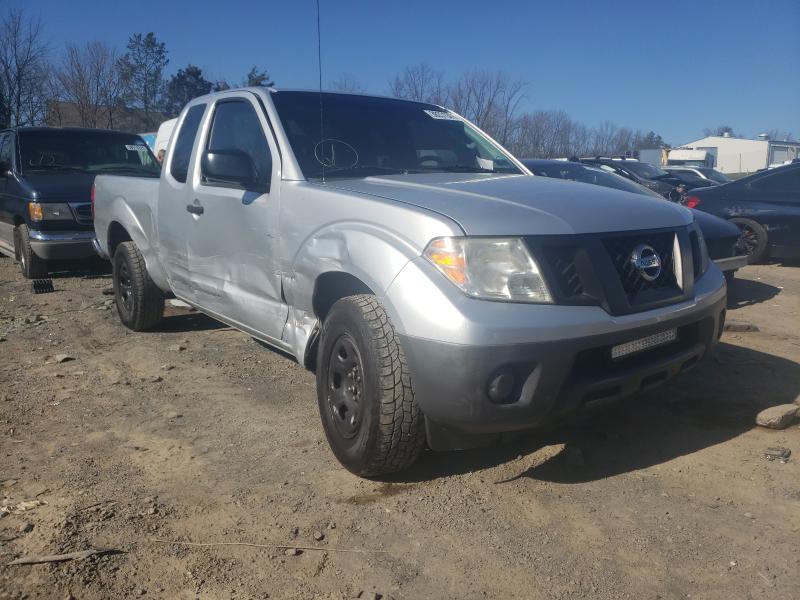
{"points": [[40, 211], [490, 268]]}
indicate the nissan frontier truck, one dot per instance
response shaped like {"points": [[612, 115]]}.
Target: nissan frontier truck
{"points": [[442, 294]]}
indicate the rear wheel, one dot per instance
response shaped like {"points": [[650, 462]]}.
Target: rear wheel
{"points": [[366, 401], [32, 266], [140, 303], [753, 238]]}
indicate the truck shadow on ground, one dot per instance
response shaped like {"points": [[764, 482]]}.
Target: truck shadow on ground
{"points": [[746, 292], [713, 403]]}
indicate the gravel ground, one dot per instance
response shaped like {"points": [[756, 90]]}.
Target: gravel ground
{"points": [[146, 443]]}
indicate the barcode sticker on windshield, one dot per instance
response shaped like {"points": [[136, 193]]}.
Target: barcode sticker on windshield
{"points": [[135, 148], [440, 114]]}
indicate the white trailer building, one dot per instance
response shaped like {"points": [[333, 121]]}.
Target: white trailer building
{"points": [[739, 155]]}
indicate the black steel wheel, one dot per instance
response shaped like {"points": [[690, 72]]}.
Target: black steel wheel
{"points": [[140, 303], [345, 387], [753, 239], [364, 392]]}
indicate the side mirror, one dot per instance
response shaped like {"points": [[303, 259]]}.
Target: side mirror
{"points": [[229, 167]]}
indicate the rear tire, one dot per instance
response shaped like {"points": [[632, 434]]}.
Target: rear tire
{"points": [[140, 303], [364, 392], [32, 266], [754, 238]]}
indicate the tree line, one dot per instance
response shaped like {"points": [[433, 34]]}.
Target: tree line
{"points": [[93, 84]]}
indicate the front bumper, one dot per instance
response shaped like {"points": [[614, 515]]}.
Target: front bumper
{"points": [[62, 245], [731, 264], [559, 358]]}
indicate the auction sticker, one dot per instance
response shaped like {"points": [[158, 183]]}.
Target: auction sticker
{"points": [[440, 114], [135, 148]]}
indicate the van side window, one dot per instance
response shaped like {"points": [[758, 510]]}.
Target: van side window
{"points": [[182, 152], [236, 127]]}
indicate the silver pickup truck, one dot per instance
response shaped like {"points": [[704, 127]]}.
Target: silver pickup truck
{"points": [[439, 291]]}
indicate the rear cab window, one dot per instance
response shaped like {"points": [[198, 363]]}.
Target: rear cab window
{"points": [[182, 152]]}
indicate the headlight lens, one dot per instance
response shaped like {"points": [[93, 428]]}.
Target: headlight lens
{"points": [[490, 268], [49, 212]]}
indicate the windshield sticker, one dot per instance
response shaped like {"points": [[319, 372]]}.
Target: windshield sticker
{"points": [[135, 148], [440, 114]]}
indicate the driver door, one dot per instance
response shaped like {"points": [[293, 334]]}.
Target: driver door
{"points": [[233, 235]]}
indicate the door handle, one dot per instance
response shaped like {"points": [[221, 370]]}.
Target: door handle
{"points": [[195, 209]]}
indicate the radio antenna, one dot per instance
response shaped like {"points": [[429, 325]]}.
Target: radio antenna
{"points": [[319, 67]]}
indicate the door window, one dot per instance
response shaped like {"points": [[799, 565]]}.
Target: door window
{"points": [[182, 152], [236, 127]]}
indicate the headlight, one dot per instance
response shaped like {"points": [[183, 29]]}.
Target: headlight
{"points": [[489, 268], [49, 212]]}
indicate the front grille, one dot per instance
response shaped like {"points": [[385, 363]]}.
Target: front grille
{"points": [[83, 212], [596, 269], [562, 263], [620, 250]]}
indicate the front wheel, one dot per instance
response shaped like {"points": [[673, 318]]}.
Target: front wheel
{"points": [[753, 238], [364, 392], [140, 303], [32, 266]]}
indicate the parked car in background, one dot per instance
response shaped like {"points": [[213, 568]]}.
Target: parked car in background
{"points": [[722, 237], [765, 206], [46, 177], [658, 180], [688, 173], [440, 292]]}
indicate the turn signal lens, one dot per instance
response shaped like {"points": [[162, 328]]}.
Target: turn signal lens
{"points": [[35, 211], [450, 259]]}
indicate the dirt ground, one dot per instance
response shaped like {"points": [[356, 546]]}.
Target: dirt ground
{"points": [[143, 443]]}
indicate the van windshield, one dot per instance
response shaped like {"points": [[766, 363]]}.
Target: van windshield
{"points": [[87, 151], [359, 136]]}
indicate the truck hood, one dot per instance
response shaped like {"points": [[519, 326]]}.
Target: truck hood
{"points": [[490, 204], [60, 186]]}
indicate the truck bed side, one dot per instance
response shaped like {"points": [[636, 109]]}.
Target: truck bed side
{"points": [[125, 209]]}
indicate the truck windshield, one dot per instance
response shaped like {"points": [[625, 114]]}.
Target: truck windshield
{"points": [[359, 136], [88, 151]]}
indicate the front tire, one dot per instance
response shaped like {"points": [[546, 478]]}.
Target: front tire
{"points": [[140, 303], [32, 266], [754, 238], [364, 392]]}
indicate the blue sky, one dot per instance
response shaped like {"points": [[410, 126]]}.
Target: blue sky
{"points": [[673, 67]]}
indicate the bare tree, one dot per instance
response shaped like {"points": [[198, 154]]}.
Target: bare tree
{"points": [[489, 99], [719, 131], [347, 83], [777, 135], [24, 70], [421, 83], [90, 78]]}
